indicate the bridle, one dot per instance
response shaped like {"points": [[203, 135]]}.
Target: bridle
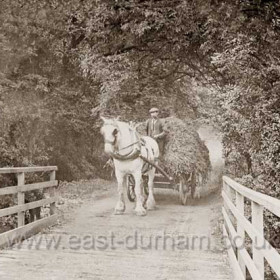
{"points": [[133, 154], [111, 142], [115, 137]]}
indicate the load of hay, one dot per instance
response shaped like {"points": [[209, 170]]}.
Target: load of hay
{"points": [[184, 151]]}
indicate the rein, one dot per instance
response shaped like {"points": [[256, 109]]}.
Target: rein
{"points": [[129, 145]]}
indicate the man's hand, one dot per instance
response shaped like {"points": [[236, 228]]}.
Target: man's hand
{"points": [[160, 136]]}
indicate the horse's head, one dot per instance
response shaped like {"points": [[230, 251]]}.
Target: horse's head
{"points": [[110, 131]]}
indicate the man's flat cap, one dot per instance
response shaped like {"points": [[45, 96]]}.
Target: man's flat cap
{"points": [[152, 110]]}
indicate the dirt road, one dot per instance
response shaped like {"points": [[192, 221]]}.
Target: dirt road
{"points": [[172, 242]]}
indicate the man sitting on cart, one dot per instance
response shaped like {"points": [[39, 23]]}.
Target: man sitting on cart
{"points": [[154, 129]]}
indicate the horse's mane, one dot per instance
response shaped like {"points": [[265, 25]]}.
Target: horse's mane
{"points": [[121, 125]]}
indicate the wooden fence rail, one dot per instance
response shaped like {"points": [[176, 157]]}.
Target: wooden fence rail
{"points": [[23, 231], [236, 225]]}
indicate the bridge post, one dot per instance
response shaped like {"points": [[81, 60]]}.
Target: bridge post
{"points": [[20, 198], [240, 231], [257, 221], [52, 193], [229, 193]]}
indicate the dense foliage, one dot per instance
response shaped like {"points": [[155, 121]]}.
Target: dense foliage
{"points": [[45, 102]]}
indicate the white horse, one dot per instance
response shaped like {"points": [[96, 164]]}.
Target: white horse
{"points": [[123, 144]]}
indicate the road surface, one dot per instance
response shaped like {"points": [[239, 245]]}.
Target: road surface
{"points": [[171, 242]]}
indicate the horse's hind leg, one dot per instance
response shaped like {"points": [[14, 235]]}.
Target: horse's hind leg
{"points": [[151, 204], [120, 207], [139, 209]]}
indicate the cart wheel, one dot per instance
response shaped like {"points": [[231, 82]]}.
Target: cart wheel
{"points": [[183, 191], [131, 188], [145, 180]]}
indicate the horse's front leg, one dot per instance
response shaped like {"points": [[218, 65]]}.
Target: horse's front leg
{"points": [[120, 207], [151, 204], [139, 209]]}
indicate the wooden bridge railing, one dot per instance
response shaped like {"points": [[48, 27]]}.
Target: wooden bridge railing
{"points": [[22, 230], [236, 225]]}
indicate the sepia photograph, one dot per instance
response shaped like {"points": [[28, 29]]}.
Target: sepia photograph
{"points": [[140, 139]]}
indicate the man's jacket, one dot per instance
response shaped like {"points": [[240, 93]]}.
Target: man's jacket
{"points": [[154, 127]]}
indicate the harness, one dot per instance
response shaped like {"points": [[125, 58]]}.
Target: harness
{"points": [[131, 155], [135, 153]]}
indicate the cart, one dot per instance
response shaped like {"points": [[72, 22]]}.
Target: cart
{"points": [[184, 184]]}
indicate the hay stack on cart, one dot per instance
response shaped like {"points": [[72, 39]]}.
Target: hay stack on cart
{"points": [[185, 155]]}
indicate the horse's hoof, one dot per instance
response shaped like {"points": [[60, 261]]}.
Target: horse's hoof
{"points": [[142, 212], [151, 205], [118, 212]]}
